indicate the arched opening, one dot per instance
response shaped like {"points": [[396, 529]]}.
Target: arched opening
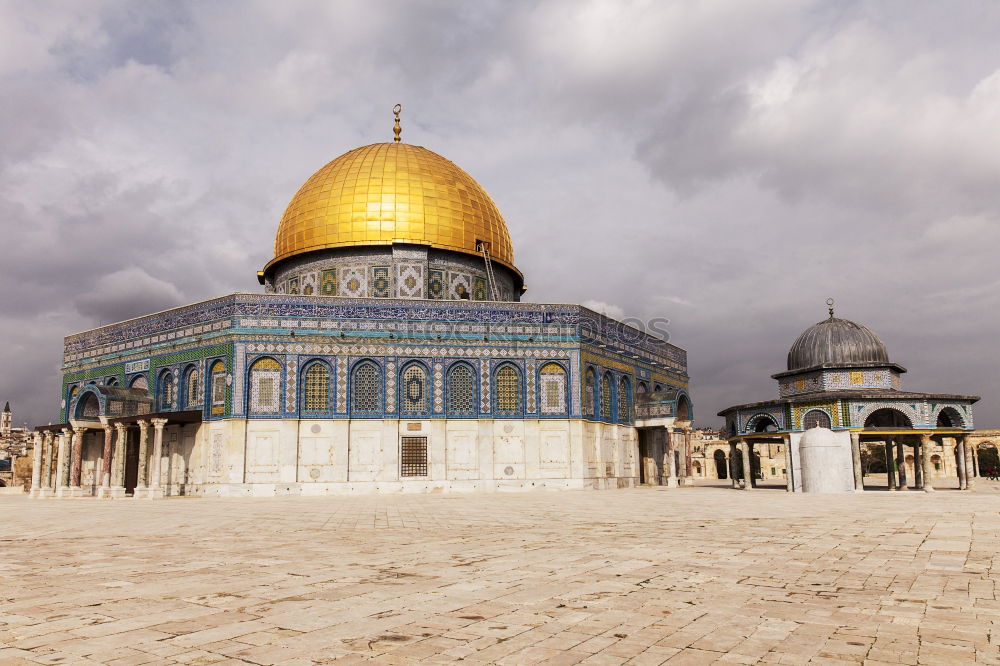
{"points": [[949, 418], [721, 469], [507, 391], [217, 375], [89, 407], [192, 388], [642, 387], [366, 388], [589, 389], [696, 468], [762, 423], [683, 408], [139, 382], [264, 394], [165, 392], [987, 457], [936, 462], [816, 418], [413, 389], [887, 417], [624, 400], [552, 389], [606, 396], [461, 388], [315, 393]]}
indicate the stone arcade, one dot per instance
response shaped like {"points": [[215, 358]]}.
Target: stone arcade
{"points": [[389, 352], [841, 383]]}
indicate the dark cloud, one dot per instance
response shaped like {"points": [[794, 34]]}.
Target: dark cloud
{"points": [[725, 166]]}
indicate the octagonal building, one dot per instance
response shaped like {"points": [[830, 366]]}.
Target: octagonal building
{"points": [[390, 351]]}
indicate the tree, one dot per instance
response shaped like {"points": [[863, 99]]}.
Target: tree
{"points": [[873, 458]]}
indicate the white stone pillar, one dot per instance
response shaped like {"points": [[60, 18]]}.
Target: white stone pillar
{"points": [[118, 462], [747, 468], [155, 490], [786, 445], [971, 462], [36, 466], [859, 473], [62, 463], [890, 464], [45, 479], [671, 460], [925, 459], [141, 480]]}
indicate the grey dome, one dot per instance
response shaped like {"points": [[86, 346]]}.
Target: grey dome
{"points": [[836, 342]]}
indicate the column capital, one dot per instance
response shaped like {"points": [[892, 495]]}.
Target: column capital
{"points": [[142, 423], [37, 435], [80, 430], [925, 438], [159, 423], [120, 427], [107, 427], [49, 436], [67, 431]]}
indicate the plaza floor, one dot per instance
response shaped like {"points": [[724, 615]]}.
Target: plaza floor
{"points": [[641, 576]]}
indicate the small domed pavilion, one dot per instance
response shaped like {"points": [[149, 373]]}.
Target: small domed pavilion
{"points": [[840, 377]]}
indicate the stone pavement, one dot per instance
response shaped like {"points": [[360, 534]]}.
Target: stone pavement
{"points": [[642, 576]]}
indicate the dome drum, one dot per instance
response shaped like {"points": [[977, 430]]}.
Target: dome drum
{"points": [[397, 271]]}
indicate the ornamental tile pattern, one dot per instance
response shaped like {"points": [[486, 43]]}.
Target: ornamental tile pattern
{"points": [[291, 382], [353, 281], [341, 385], [380, 286], [390, 386], [438, 387], [410, 280], [328, 283], [529, 373], [484, 386]]}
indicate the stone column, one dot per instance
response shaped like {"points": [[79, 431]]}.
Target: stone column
{"points": [[141, 482], [974, 457], [733, 452], [104, 490], [919, 453], [786, 444], [890, 465], [963, 481], [62, 464], [901, 483], [155, 491], [118, 463], [970, 470], [859, 473], [76, 465], [747, 469], [688, 472], [45, 481], [36, 466], [671, 460], [925, 458]]}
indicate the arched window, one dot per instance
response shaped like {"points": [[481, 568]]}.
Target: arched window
{"points": [[815, 418], [366, 389], [265, 387], [316, 387], [461, 391], [552, 389], [413, 389], [642, 387], [624, 401], [140, 382], [112, 381], [218, 373], [589, 386], [507, 391], [165, 392], [606, 396], [192, 388]]}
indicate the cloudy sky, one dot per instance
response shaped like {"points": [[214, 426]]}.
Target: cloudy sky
{"points": [[727, 165]]}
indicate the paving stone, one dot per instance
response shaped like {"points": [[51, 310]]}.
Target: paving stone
{"points": [[638, 576]]}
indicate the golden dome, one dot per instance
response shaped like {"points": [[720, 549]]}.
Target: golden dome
{"points": [[392, 193]]}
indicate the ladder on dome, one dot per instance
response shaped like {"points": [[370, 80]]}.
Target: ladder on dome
{"points": [[484, 247]]}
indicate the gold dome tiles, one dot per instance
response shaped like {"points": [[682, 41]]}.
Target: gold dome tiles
{"points": [[386, 193]]}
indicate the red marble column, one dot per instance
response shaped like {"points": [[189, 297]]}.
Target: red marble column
{"points": [[106, 461], [77, 462]]}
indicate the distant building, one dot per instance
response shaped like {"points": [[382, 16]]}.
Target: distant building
{"points": [[15, 445]]}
